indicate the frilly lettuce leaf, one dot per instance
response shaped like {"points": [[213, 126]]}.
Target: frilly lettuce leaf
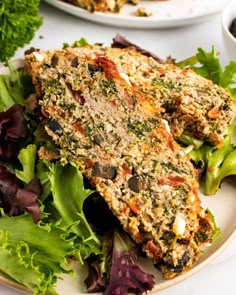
{"points": [[68, 197], [34, 254], [208, 65]]}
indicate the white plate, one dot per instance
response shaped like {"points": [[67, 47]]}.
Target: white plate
{"points": [[222, 205], [166, 14]]}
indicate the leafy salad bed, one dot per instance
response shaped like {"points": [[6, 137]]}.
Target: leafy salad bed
{"points": [[50, 216]]}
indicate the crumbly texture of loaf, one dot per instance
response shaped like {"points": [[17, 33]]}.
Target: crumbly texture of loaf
{"points": [[190, 103], [107, 126]]}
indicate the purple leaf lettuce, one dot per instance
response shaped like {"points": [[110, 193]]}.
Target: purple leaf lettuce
{"points": [[15, 199], [117, 272], [12, 128], [121, 42]]}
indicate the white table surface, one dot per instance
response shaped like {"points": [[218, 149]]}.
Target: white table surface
{"points": [[219, 277]]}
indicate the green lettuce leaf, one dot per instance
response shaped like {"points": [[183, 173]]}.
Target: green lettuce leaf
{"points": [[68, 197], [219, 162], [216, 231], [27, 158], [189, 140], [11, 88], [42, 174], [34, 254], [200, 156], [78, 43], [207, 64]]}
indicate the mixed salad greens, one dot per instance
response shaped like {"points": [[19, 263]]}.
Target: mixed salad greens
{"points": [[49, 215], [215, 163]]}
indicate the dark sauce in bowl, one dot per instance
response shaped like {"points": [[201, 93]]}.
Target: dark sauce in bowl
{"points": [[232, 28]]}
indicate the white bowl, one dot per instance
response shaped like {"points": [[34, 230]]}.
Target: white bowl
{"points": [[228, 15]]}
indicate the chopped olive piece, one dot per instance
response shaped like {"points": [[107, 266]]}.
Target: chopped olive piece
{"points": [[54, 60], [181, 263], [93, 69], [104, 171], [75, 62], [134, 183], [54, 126], [97, 138]]}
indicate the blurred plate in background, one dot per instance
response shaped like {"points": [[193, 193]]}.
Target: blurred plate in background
{"points": [[165, 14]]}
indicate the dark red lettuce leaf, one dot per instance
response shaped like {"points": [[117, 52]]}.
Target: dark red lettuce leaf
{"points": [[121, 42], [15, 199], [99, 267], [12, 128], [95, 281], [8, 188], [126, 276], [118, 271]]}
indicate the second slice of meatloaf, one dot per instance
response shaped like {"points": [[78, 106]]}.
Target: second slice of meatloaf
{"points": [[108, 128], [190, 103]]}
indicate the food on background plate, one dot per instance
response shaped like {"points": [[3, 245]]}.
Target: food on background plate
{"points": [[93, 109], [103, 5], [142, 12]]}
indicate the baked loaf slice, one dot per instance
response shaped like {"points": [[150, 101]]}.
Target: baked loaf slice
{"points": [[191, 104], [108, 127]]}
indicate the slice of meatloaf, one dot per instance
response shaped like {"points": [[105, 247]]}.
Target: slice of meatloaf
{"points": [[191, 104], [107, 127]]}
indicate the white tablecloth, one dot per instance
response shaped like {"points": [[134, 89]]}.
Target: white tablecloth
{"points": [[219, 277]]}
